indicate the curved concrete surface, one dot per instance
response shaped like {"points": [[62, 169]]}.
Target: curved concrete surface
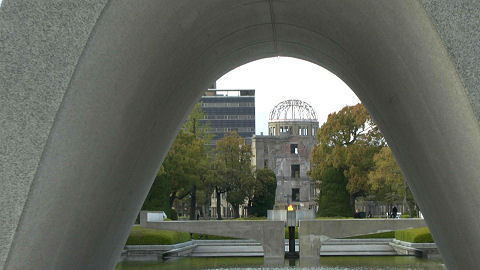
{"points": [[313, 233], [270, 234], [93, 92]]}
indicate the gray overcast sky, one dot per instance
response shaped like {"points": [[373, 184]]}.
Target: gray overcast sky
{"points": [[280, 78]]}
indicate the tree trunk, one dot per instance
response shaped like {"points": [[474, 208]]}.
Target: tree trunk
{"points": [[193, 203], [172, 199], [219, 205], [236, 211], [405, 201], [352, 203], [207, 207]]}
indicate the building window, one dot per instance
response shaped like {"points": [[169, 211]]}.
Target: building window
{"points": [[304, 132], [294, 149], [295, 171], [295, 194], [265, 163], [299, 131], [313, 131]]}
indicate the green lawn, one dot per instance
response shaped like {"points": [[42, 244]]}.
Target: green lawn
{"points": [[143, 236], [374, 235], [419, 235]]}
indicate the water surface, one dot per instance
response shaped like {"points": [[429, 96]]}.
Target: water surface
{"points": [[326, 263]]}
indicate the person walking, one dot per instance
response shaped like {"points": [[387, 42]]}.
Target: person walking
{"points": [[394, 212]]}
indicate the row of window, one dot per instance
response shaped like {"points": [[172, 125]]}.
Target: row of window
{"points": [[293, 148], [229, 104], [302, 131], [296, 193], [294, 169], [229, 117], [237, 129]]}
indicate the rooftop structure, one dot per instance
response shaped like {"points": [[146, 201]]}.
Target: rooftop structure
{"points": [[292, 117], [229, 110], [293, 110]]}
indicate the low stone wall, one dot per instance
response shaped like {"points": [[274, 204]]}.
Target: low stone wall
{"points": [[424, 250], [251, 248], [313, 233], [155, 252], [281, 215]]}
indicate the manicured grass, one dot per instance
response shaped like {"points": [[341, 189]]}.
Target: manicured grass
{"points": [[143, 236], [419, 235], [374, 235]]}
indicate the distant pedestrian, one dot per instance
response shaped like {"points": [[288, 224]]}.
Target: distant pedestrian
{"points": [[370, 214], [394, 212]]}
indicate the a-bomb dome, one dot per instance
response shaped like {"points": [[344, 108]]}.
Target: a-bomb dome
{"points": [[292, 110]]}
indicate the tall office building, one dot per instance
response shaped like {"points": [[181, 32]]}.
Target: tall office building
{"points": [[229, 110], [226, 111]]}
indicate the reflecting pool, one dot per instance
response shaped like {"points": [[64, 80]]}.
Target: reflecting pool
{"points": [[327, 263]]}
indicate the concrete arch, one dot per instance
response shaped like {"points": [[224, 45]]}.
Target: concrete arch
{"points": [[94, 92]]}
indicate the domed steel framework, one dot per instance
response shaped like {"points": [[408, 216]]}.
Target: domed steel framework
{"points": [[293, 109]]}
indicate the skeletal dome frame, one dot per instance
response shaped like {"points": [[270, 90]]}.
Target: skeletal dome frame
{"points": [[293, 109]]}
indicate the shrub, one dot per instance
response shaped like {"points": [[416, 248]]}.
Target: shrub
{"points": [[286, 232], [334, 199], [419, 235], [143, 236]]}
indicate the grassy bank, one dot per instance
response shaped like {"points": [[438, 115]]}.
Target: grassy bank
{"points": [[419, 235], [143, 236], [374, 235]]}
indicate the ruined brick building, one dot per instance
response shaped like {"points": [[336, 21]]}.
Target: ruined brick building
{"points": [[286, 150]]}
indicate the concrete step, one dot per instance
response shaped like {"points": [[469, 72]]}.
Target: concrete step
{"points": [[227, 248], [357, 247], [364, 253], [358, 241]]}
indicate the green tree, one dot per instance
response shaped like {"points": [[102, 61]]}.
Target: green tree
{"points": [[196, 125], [234, 171], [182, 165], [386, 181], [347, 141], [263, 197], [199, 129], [186, 165], [334, 199], [157, 198]]}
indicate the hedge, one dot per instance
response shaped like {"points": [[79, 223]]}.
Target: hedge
{"points": [[143, 236], [419, 235]]}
